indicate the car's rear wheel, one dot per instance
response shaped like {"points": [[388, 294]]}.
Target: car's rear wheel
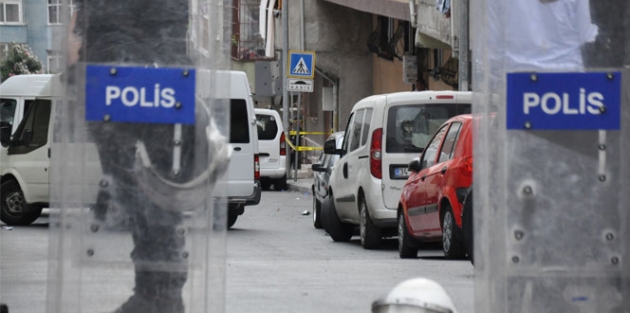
{"points": [[13, 207], [317, 209], [371, 236], [337, 230], [281, 183], [452, 242], [467, 227], [407, 246]]}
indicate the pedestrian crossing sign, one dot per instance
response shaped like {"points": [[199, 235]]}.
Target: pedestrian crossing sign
{"points": [[301, 64]]}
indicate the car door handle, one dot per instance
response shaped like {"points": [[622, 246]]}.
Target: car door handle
{"points": [[443, 170], [237, 148]]}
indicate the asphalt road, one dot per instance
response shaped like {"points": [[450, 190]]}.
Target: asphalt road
{"points": [[276, 262]]}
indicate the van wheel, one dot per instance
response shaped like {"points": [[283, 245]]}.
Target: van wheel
{"points": [[371, 236], [13, 207], [234, 210], [265, 183], [452, 241], [281, 183], [407, 246], [337, 230]]}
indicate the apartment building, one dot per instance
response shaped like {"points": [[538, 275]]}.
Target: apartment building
{"points": [[362, 48], [32, 22]]}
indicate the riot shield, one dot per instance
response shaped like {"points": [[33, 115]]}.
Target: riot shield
{"points": [[551, 150], [140, 143]]}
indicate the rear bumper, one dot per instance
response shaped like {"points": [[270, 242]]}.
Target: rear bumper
{"points": [[254, 199], [273, 172]]}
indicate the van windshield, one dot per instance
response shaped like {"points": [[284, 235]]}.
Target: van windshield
{"points": [[410, 127]]}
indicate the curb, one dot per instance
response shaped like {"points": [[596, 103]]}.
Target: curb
{"points": [[298, 188]]}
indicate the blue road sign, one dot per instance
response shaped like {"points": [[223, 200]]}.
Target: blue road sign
{"points": [[140, 95], [564, 101], [301, 64]]}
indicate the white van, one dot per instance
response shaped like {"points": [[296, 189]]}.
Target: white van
{"points": [[24, 170], [243, 175], [272, 143], [25, 159], [384, 133]]}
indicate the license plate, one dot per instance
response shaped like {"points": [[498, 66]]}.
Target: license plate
{"points": [[401, 172]]}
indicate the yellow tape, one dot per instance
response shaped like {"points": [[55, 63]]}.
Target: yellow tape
{"points": [[293, 133], [303, 148]]}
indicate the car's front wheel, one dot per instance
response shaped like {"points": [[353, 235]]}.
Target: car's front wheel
{"points": [[371, 236], [407, 246], [452, 242], [317, 208], [337, 230], [13, 207]]}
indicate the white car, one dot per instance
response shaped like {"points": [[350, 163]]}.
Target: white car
{"points": [[272, 144], [384, 133]]}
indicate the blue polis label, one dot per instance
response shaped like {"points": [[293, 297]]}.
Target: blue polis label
{"points": [[564, 101], [140, 95]]}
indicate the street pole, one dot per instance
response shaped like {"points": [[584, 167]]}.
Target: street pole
{"points": [[285, 91]]}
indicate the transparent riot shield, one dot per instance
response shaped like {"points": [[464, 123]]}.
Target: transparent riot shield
{"points": [[140, 143], [551, 155]]}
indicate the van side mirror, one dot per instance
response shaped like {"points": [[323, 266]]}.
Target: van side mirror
{"points": [[5, 135], [415, 165], [318, 167], [330, 147]]}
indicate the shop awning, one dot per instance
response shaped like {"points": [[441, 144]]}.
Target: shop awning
{"points": [[398, 9]]}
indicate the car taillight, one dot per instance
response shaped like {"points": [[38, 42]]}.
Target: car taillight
{"points": [[256, 167], [283, 145], [468, 166], [376, 153]]}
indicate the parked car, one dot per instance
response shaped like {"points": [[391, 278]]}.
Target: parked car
{"points": [[321, 174], [432, 199], [384, 132], [272, 145]]}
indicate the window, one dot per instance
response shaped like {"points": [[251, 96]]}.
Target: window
{"points": [[410, 127], [366, 126], [267, 127], [55, 10], [33, 131], [239, 124], [54, 62], [346, 136], [10, 11], [7, 112], [247, 41], [449, 142], [428, 158], [355, 138]]}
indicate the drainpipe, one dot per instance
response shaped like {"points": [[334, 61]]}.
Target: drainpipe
{"points": [[413, 14], [285, 91], [464, 42]]}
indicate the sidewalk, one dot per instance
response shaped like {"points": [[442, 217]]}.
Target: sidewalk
{"points": [[304, 181]]}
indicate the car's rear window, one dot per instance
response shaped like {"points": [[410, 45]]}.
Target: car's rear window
{"points": [[267, 127], [410, 127], [239, 125]]}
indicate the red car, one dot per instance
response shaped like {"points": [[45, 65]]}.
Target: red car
{"points": [[431, 203]]}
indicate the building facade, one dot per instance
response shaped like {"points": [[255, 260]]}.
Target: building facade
{"points": [[32, 22]]}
